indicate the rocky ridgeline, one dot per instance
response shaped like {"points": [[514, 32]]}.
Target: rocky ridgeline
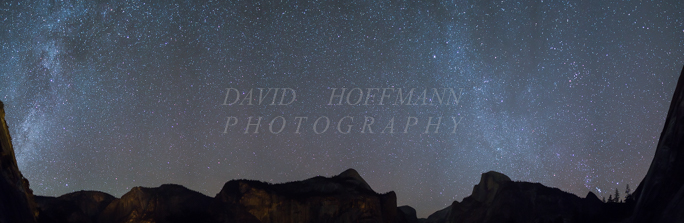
{"points": [[498, 199], [342, 198]]}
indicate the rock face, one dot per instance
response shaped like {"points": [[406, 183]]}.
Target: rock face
{"points": [[167, 203], [661, 198], [498, 199], [16, 199], [343, 198], [80, 206], [407, 214]]}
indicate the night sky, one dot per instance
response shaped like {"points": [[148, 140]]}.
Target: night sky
{"points": [[111, 95]]}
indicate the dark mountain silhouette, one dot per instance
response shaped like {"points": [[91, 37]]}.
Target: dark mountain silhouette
{"points": [[342, 198], [498, 199], [660, 195], [80, 206], [16, 199], [167, 203], [407, 214]]}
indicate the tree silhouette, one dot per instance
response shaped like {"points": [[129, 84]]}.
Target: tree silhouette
{"points": [[627, 190], [610, 199], [628, 194], [617, 196]]}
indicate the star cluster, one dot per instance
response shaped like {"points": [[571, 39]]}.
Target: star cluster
{"points": [[108, 95]]}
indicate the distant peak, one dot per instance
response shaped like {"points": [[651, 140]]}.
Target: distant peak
{"points": [[495, 177], [350, 173], [489, 185], [592, 197], [354, 176]]}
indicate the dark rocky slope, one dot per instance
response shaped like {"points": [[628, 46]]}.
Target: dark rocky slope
{"points": [[80, 206], [165, 204], [16, 199], [661, 193], [498, 199], [342, 198]]}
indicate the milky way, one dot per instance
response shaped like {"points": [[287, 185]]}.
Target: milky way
{"points": [[111, 95]]}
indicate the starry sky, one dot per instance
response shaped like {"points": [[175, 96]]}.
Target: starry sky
{"points": [[108, 95]]}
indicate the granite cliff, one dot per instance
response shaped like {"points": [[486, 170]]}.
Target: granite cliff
{"points": [[661, 192], [342, 198], [167, 203], [16, 199], [80, 206]]}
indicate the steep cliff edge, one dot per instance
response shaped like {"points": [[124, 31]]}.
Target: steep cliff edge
{"points": [[661, 197], [16, 199]]}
